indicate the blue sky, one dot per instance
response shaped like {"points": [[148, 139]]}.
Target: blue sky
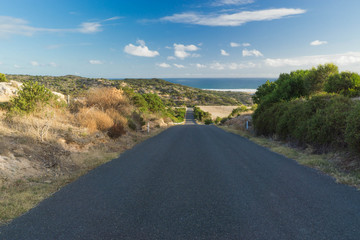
{"points": [[163, 38]]}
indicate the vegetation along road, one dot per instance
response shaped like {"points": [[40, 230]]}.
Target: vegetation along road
{"points": [[196, 182]]}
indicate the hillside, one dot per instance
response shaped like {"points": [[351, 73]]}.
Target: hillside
{"points": [[170, 93], [46, 142]]}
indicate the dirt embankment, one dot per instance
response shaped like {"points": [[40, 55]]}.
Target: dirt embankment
{"points": [[43, 150], [38, 156]]}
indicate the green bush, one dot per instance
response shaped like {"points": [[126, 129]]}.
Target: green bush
{"points": [[223, 120], [31, 95], [218, 120], [295, 108], [201, 115], [236, 112], [154, 102], [326, 127], [208, 121], [3, 78], [345, 83], [266, 118], [352, 132], [319, 121], [287, 119], [179, 114], [140, 102]]}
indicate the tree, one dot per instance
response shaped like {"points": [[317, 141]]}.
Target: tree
{"points": [[286, 87], [343, 83], [263, 90], [318, 77], [3, 78]]}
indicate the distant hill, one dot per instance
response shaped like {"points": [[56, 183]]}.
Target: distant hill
{"points": [[171, 93]]}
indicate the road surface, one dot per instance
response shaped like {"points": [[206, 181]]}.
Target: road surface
{"points": [[196, 182]]}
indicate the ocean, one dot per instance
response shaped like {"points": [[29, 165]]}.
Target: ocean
{"points": [[222, 84]]}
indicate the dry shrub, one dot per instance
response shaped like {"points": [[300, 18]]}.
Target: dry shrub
{"points": [[116, 116], [44, 125], [116, 131], [106, 98], [94, 119]]}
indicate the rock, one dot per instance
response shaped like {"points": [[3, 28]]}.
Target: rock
{"points": [[161, 123], [8, 90], [60, 96]]}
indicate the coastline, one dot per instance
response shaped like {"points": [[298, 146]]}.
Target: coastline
{"points": [[251, 91]]}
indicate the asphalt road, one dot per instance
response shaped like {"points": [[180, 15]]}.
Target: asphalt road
{"points": [[196, 182]]}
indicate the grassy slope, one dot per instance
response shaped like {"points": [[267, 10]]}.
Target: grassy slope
{"points": [[173, 94]]}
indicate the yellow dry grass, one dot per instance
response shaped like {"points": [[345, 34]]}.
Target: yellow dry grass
{"points": [[116, 116], [106, 98], [40, 126], [94, 119], [218, 111]]}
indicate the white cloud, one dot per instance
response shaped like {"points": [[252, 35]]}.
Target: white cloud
{"points": [[52, 64], [244, 65], [234, 44], [232, 66], [140, 42], [179, 65], [217, 66], [95, 62], [171, 58], [232, 2], [93, 27], [16, 66], [181, 51], [1, 63], [250, 53], [141, 50], [10, 26], [224, 53], [235, 19], [90, 27], [338, 59], [164, 65], [318, 42], [112, 18], [15, 26], [34, 63], [198, 65]]}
